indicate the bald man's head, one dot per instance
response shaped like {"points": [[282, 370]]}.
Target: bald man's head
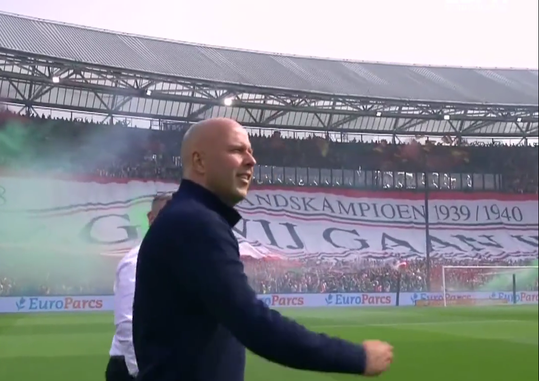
{"points": [[217, 154], [202, 134]]}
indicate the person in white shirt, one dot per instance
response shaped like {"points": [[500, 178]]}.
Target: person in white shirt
{"points": [[122, 365]]}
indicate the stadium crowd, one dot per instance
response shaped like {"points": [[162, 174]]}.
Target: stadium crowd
{"points": [[371, 276], [267, 277], [84, 148]]}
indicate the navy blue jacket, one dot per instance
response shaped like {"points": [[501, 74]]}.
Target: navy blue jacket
{"points": [[194, 312]]}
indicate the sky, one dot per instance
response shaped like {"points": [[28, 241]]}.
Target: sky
{"points": [[471, 33]]}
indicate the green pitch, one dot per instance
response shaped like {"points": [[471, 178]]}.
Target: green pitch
{"points": [[431, 344]]}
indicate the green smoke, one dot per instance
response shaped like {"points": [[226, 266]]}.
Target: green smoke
{"points": [[138, 215], [34, 251], [525, 279]]}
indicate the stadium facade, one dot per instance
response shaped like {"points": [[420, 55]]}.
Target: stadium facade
{"points": [[57, 67], [51, 65]]}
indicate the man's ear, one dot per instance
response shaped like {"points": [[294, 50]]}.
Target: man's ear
{"points": [[199, 164]]}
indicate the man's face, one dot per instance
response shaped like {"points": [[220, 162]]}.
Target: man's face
{"points": [[156, 208], [229, 165]]}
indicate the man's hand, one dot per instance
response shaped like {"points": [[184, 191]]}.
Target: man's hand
{"points": [[379, 357]]}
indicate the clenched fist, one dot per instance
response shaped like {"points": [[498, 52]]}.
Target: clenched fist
{"points": [[379, 357]]}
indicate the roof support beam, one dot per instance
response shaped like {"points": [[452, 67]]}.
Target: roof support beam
{"points": [[120, 92]]}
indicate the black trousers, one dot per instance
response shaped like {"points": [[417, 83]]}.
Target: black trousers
{"points": [[117, 370]]}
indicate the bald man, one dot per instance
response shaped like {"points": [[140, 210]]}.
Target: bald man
{"points": [[194, 311]]}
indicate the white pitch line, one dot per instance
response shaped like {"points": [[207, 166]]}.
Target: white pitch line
{"points": [[404, 324]]}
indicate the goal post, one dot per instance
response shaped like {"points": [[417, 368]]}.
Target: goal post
{"points": [[487, 285]]}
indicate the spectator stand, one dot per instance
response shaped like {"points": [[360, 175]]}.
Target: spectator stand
{"points": [[419, 129]]}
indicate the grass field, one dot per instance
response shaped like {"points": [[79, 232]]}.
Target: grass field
{"points": [[452, 344]]}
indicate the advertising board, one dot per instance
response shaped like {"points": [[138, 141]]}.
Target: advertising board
{"points": [[329, 300], [36, 304], [456, 298]]}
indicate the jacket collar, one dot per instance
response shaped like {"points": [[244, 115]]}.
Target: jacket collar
{"points": [[209, 199]]}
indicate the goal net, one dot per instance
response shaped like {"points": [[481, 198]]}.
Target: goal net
{"points": [[489, 285]]}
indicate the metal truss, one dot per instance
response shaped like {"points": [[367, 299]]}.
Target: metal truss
{"points": [[46, 82]]}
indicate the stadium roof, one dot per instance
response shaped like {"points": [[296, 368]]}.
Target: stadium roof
{"points": [[280, 74], [494, 86]]}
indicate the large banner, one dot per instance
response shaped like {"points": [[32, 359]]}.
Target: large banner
{"points": [[109, 217]]}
